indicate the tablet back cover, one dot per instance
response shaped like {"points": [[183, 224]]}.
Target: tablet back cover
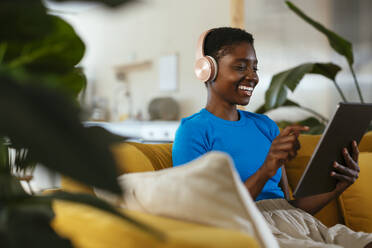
{"points": [[349, 122]]}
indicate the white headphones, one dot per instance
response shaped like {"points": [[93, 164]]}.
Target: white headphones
{"points": [[205, 66]]}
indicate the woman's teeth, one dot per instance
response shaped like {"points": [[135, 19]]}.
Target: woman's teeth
{"points": [[247, 90]]}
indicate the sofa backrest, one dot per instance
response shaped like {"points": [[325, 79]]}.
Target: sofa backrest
{"points": [[131, 157], [138, 157]]}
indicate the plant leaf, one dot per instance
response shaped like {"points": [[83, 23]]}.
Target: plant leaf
{"points": [[261, 109], [316, 127], [48, 125], [58, 51], [22, 217], [110, 3], [23, 20], [276, 95], [70, 83], [288, 103], [10, 186], [339, 44], [4, 156], [49, 60]]}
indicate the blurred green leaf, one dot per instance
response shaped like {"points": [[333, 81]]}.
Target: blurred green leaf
{"points": [[261, 109], [59, 51], [9, 186], [283, 124], [316, 127], [276, 95], [288, 103], [110, 3], [47, 124], [49, 60], [70, 83], [3, 47], [339, 44], [28, 225], [23, 20], [4, 156]]}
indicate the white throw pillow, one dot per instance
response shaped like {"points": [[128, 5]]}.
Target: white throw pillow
{"points": [[207, 190]]}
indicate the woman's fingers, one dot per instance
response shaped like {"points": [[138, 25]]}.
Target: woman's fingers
{"points": [[345, 171], [350, 162], [347, 174], [291, 141], [282, 139], [341, 177], [284, 147], [280, 156], [287, 146], [293, 129], [355, 150]]}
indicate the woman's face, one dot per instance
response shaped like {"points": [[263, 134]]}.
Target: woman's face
{"points": [[237, 76]]}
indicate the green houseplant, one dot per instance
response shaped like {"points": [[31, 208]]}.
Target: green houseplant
{"points": [[276, 94], [39, 85]]}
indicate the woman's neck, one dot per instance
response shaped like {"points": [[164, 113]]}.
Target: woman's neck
{"points": [[229, 113]]}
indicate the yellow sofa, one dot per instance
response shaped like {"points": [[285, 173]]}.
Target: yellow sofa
{"points": [[89, 227]]}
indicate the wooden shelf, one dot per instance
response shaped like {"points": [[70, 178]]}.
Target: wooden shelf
{"points": [[141, 65]]}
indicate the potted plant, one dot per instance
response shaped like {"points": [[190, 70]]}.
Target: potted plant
{"points": [[40, 120], [276, 94]]}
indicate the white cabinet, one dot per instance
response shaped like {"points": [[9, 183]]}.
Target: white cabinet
{"points": [[142, 131]]}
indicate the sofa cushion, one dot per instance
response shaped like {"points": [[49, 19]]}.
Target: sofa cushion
{"points": [[366, 143], [106, 230], [160, 155], [356, 201], [207, 190], [130, 157], [330, 215]]}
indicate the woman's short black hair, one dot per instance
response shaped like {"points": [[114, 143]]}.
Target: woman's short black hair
{"points": [[220, 41]]}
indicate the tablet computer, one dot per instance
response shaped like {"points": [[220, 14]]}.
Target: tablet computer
{"points": [[349, 122]]}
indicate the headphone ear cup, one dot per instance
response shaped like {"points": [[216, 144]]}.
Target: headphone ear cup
{"points": [[214, 68], [206, 68]]}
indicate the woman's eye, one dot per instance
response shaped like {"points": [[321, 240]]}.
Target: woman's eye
{"points": [[239, 68]]}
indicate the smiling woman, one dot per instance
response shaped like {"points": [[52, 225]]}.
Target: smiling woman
{"points": [[255, 145], [236, 75]]}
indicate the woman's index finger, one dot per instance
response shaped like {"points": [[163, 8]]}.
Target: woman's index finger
{"points": [[293, 129]]}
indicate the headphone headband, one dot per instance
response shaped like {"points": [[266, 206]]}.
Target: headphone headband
{"points": [[200, 46]]}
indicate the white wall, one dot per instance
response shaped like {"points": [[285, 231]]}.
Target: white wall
{"points": [[146, 31], [152, 28]]}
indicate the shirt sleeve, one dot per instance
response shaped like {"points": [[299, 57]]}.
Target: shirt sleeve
{"points": [[274, 129], [190, 143], [267, 126]]}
